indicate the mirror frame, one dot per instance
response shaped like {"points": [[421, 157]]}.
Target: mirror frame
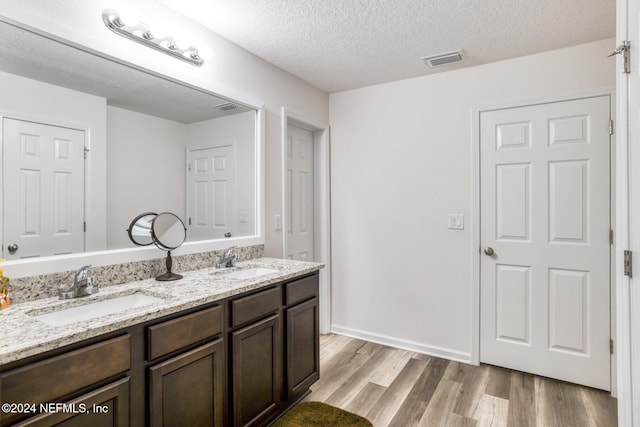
{"points": [[54, 264], [161, 243]]}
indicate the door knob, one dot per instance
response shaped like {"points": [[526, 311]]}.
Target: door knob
{"points": [[489, 251], [13, 248]]}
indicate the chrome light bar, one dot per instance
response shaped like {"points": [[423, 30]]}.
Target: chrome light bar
{"points": [[141, 33]]}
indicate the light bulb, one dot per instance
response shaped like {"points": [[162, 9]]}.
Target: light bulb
{"points": [[128, 17], [205, 52], [181, 43]]}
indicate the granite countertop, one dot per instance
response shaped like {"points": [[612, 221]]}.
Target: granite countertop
{"points": [[23, 335]]}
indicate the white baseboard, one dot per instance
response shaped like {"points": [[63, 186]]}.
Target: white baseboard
{"points": [[444, 353]]}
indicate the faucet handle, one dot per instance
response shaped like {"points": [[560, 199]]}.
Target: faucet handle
{"points": [[232, 261], [84, 269], [82, 274]]}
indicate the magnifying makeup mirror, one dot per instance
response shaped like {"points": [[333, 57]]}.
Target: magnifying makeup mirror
{"points": [[140, 229], [165, 230]]}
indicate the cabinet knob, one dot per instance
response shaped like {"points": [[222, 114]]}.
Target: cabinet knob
{"points": [[13, 248]]}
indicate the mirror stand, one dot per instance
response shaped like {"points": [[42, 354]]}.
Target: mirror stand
{"points": [[169, 275], [166, 231]]}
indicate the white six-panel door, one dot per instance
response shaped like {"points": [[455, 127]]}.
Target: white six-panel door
{"points": [[300, 197], [211, 204], [545, 215], [43, 197]]}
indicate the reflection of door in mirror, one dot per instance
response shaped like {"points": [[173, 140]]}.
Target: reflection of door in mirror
{"points": [[211, 207], [43, 198]]}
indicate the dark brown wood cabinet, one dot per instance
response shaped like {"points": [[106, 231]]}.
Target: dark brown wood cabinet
{"points": [[33, 387], [256, 355], [189, 389], [240, 361], [303, 347], [107, 406]]}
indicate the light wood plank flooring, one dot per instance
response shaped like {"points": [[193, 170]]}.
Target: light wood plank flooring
{"points": [[393, 387]]}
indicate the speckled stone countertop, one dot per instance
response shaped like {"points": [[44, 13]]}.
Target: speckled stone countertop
{"points": [[23, 335]]}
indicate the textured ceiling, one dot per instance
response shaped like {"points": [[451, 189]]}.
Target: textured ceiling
{"points": [[344, 44], [33, 56]]}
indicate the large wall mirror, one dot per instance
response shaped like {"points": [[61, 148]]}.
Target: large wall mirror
{"points": [[89, 143]]}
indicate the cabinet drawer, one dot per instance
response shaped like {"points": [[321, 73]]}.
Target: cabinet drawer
{"points": [[175, 334], [60, 376], [254, 306], [301, 290]]}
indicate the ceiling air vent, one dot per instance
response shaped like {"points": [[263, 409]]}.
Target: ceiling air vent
{"points": [[227, 106], [443, 58]]}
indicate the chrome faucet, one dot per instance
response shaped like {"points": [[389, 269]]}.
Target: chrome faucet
{"points": [[228, 259], [83, 285]]}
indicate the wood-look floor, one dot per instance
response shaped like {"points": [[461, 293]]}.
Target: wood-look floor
{"points": [[393, 387]]}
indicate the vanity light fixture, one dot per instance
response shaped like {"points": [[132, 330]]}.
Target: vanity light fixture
{"points": [[141, 33]]}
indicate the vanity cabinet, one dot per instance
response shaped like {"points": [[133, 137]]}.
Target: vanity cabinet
{"points": [[302, 335], [256, 356], [303, 347], [34, 387], [107, 406], [187, 389], [241, 361]]}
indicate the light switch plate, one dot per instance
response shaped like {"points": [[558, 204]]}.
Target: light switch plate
{"points": [[277, 222], [455, 221]]}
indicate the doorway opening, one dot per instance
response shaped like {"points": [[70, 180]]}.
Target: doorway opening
{"points": [[306, 201]]}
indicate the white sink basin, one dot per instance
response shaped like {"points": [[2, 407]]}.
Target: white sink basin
{"points": [[250, 273], [96, 309]]}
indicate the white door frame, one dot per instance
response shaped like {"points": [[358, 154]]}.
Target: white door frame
{"points": [[475, 220], [627, 413], [322, 204]]}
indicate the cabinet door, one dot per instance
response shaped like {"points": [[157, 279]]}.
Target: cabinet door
{"points": [[257, 377], [68, 374], [303, 347], [107, 406], [187, 390]]}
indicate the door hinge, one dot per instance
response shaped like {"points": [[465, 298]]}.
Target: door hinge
{"points": [[625, 50], [611, 346], [84, 225], [627, 263], [611, 127], [189, 221], [189, 167], [610, 237], [86, 150]]}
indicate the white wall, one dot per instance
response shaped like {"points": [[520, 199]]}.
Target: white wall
{"points": [[146, 166], [145, 170], [232, 71], [27, 99], [401, 161], [239, 128]]}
